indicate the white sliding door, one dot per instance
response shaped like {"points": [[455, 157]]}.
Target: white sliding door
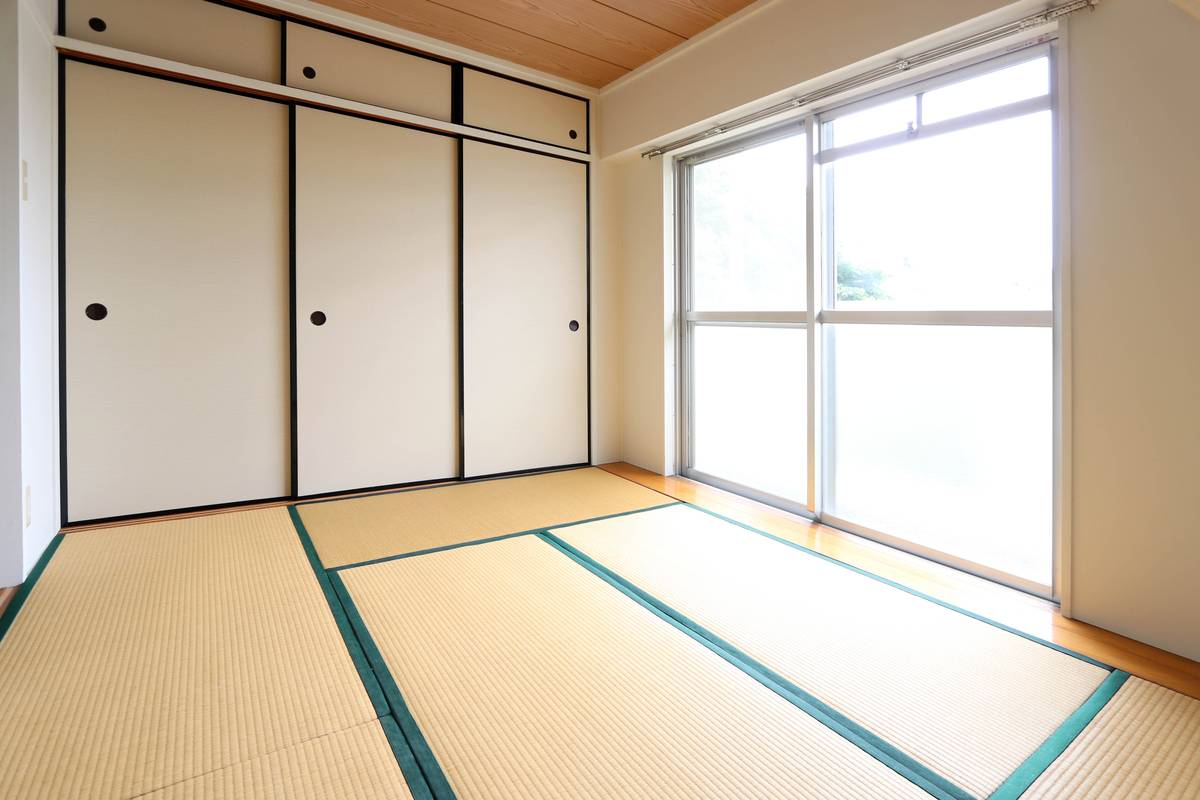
{"points": [[524, 310], [176, 320], [376, 303]]}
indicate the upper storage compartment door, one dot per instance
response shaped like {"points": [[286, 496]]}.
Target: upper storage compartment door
{"points": [[193, 32], [342, 66], [507, 106]]}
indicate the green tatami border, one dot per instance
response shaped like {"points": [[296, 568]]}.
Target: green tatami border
{"points": [[496, 538], [902, 587], [14, 605], [370, 683], [1048, 752], [399, 743], [882, 751], [1026, 772], [433, 776]]}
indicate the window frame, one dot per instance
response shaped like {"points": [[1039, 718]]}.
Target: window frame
{"points": [[821, 309], [689, 319]]}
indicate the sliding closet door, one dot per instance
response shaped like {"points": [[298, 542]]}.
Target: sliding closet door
{"points": [[524, 310], [176, 319], [376, 303]]}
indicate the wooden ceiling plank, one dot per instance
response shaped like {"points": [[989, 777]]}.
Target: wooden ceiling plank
{"points": [[586, 26], [449, 25], [685, 18]]}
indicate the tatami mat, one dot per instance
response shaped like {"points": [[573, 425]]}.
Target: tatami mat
{"points": [[1144, 744], [533, 678], [365, 528], [355, 763], [964, 698], [149, 654]]}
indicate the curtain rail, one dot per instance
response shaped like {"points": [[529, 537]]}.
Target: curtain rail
{"points": [[879, 73]]}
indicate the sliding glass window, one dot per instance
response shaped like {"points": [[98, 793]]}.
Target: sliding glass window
{"points": [[932, 309], [745, 310]]}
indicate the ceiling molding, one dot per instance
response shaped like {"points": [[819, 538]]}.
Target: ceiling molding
{"points": [[715, 30]]}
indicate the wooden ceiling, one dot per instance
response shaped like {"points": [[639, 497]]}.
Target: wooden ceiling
{"points": [[592, 42]]}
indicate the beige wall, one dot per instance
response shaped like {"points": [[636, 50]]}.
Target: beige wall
{"points": [[772, 48], [643, 235], [1134, 121], [606, 310], [10, 310], [1135, 222], [28, 281]]}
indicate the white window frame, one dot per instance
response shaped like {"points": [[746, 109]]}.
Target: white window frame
{"points": [[691, 319], [821, 311]]}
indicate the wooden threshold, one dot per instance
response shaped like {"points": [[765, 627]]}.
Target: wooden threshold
{"points": [[207, 512], [6, 596], [1013, 608]]}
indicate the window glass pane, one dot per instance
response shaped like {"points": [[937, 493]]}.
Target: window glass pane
{"points": [[749, 407], [748, 223], [941, 435], [892, 117], [957, 221], [992, 89]]}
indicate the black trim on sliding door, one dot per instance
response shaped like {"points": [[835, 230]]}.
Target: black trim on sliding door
{"points": [[62, 281], [292, 345], [293, 348], [64, 520], [587, 184], [587, 110], [462, 395], [456, 94], [587, 282], [282, 52]]}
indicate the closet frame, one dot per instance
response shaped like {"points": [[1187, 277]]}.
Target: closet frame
{"points": [[293, 103], [457, 67]]}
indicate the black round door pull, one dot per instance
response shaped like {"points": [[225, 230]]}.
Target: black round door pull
{"points": [[573, 134], [309, 73], [574, 326], [96, 311], [97, 24], [317, 318]]}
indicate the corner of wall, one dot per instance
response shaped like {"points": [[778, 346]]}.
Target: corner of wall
{"points": [[37, 126], [641, 224], [10, 309]]}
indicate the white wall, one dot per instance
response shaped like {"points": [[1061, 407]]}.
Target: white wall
{"points": [[28, 275], [776, 46], [38, 80], [1135, 126], [1135, 149], [640, 190], [10, 312], [606, 310]]}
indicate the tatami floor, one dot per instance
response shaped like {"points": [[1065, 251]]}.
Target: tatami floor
{"points": [[589, 633]]}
